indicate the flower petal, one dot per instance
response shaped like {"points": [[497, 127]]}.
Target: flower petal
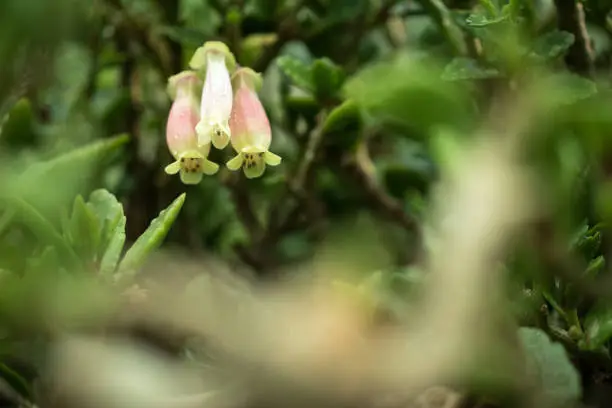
{"points": [[204, 131], [221, 135], [217, 95], [173, 168], [209, 168], [199, 61], [191, 178], [254, 169], [272, 159], [235, 163]]}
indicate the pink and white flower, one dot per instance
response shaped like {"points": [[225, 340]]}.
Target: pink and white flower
{"points": [[251, 134], [191, 158], [216, 61]]}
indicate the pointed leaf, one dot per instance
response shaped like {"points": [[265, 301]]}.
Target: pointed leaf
{"points": [[151, 239], [73, 169], [84, 232], [110, 213], [77, 160]]}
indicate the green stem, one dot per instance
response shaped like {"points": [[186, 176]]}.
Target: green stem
{"points": [[549, 298]]}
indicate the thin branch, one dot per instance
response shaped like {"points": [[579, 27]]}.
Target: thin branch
{"points": [[570, 17], [296, 187], [365, 173]]}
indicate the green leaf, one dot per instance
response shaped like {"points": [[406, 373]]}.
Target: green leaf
{"points": [[297, 71], [559, 379], [568, 88], [110, 213], [77, 160], [598, 327], [480, 20], [84, 230], [74, 169], [151, 239], [553, 44], [42, 228], [468, 68], [410, 94], [327, 77], [341, 116]]}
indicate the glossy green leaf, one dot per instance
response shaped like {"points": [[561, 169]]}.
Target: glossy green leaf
{"points": [[468, 68], [110, 213], [297, 71], [550, 363], [151, 239], [553, 44]]}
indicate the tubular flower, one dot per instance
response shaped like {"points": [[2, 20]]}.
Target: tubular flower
{"points": [[216, 60], [191, 159], [251, 133]]}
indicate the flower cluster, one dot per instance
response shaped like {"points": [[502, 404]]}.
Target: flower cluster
{"points": [[216, 103]]}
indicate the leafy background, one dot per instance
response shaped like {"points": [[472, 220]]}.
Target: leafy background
{"points": [[371, 104]]}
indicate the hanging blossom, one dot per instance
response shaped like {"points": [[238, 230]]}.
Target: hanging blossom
{"points": [[251, 133], [216, 61], [191, 159]]}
